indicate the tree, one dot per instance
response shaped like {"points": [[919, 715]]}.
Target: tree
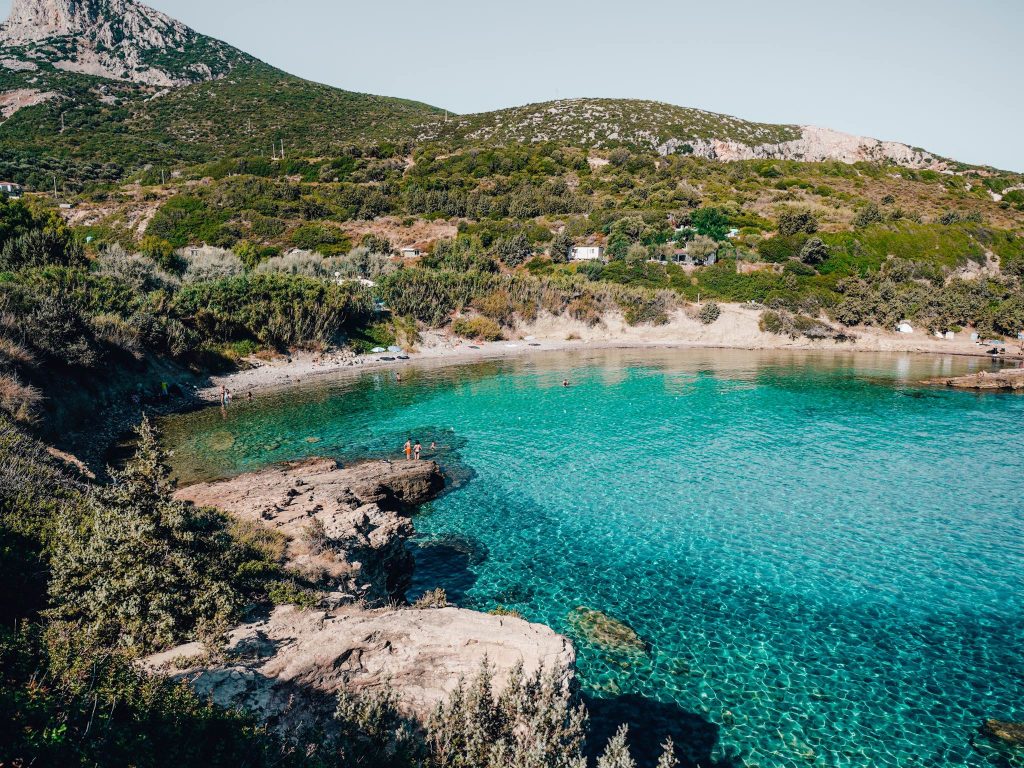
{"points": [[162, 252], [514, 250], [534, 722], [710, 222], [142, 569], [668, 757], [794, 222], [377, 244], [40, 247], [814, 251], [636, 254], [700, 247], [561, 248]]}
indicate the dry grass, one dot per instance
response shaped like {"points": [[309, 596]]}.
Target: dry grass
{"points": [[19, 401]]}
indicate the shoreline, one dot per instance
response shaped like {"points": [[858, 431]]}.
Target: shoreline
{"points": [[440, 349]]}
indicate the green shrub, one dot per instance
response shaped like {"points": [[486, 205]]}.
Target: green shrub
{"points": [[780, 248], [797, 222], [482, 328], [140, 569], [709, 313], [275, 309]]}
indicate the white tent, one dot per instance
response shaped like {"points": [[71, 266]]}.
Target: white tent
{"points": [[905, 327]]}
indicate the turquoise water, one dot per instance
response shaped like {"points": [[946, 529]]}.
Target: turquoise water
{"points": [[825, 561]]}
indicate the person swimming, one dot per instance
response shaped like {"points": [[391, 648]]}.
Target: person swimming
{"points": [[565, 382]]}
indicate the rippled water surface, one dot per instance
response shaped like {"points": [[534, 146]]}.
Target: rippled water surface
{"points": [[824, 561]]}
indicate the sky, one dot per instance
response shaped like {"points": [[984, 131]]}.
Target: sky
{"points": [[940, 74]]}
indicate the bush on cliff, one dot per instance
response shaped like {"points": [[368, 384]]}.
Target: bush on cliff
{"points": [[142, 570], [68, 699]]}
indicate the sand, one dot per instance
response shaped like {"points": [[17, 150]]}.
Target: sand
{"points": [[736, 328]]}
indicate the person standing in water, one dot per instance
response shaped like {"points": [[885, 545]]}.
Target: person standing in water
{"points": [[416, 449], [408, 449]]}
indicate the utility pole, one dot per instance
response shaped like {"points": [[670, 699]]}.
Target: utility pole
{"points": [[282, 149], [54, 186]]}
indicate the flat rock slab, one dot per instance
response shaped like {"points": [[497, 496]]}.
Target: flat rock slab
{"points": [[289, 667]]}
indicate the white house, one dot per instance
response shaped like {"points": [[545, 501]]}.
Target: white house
{"points": [[587, 253], [411, 253], [10, 189]]}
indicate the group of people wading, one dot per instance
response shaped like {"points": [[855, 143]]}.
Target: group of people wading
{"points": [[414, 449]]}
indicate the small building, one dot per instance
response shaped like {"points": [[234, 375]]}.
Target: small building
{"points": [[410, 252], [587, 253], [10, 189], [683, 258]]}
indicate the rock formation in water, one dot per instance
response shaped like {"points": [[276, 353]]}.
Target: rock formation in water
{"points": [[1010, 379], [606, 632], [347, 528]]}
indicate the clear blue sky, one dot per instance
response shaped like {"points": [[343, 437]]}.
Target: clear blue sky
{"points": [[940, 74]]}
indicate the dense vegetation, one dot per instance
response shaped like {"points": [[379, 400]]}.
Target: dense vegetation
{"points": [[192, 244]]}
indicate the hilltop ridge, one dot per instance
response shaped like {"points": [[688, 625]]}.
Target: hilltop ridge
{"points": [[669, 129], [118, 84], [115, 39]]}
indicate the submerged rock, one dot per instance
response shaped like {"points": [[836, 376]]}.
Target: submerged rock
{"points": [[1011, 379], [287, 669], [1010, 733], [604, 631], [362, 512]]}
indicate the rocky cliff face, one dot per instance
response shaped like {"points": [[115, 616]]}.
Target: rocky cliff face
{"points": [[815, 145], [115, 39]]}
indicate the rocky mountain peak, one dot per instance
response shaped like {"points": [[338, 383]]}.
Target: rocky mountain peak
{"points": [[115, 39]]}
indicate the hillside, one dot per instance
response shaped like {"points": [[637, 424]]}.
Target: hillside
{"points": [[91, 89], [115, 39], [667, 129]]}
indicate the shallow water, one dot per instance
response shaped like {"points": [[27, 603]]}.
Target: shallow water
{"points": [[824, 560]]}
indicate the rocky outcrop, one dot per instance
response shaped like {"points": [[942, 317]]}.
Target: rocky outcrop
{"points": [[815, 145], [346, 527], [116, 39], [289, 667], [1011, 379]]}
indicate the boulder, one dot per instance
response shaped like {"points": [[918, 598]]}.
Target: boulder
{"points": [[289, 667]]}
